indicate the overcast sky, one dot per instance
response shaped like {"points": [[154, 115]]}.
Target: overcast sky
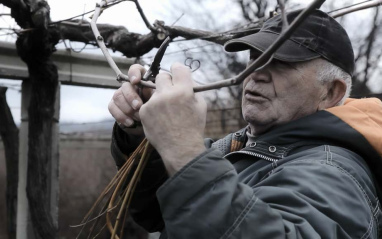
{"points": [[81, 104]]}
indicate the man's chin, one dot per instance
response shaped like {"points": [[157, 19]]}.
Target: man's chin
{"points": [[257, 114], [257, 130], [258, 124]]}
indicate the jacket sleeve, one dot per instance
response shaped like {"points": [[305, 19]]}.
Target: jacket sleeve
{"points": [[206, 200], [144, 207]]}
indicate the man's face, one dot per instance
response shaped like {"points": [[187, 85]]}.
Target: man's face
{"points": [[279, 93]]}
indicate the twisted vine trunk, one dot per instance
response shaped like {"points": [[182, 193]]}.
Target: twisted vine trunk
{"points": [[10, 135], [35, 49]]}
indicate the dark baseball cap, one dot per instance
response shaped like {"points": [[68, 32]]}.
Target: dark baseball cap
{"points": [[318, 36]]}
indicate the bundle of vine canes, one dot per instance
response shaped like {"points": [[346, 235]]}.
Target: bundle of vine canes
{"points": [[117, 196]]}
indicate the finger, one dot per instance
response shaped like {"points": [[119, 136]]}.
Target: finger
{"points": [[120, 102], [163, 81], [124, 107], [136, 73], [181, 75], [118, 115], [131, 96]]}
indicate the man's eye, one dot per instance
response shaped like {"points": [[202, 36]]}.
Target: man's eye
{"points": [[280, 63], [284, 64]]}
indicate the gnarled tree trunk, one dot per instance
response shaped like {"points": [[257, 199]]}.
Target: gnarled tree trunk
{"points": [[35, 48]]}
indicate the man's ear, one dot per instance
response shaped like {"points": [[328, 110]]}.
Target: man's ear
{"points": [[336, 91]]}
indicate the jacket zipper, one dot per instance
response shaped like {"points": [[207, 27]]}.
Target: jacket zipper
{"points": [[253, 154]]}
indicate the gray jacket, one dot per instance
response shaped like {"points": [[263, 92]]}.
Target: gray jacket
{"points": [[310, 178]]}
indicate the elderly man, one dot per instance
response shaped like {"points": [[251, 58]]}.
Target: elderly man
{"points": [[305, 167]]}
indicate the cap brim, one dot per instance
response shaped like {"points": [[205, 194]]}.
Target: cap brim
{"points": [[289, 51]]}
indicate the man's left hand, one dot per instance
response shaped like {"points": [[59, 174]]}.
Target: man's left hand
{"points": [[174, 118]]}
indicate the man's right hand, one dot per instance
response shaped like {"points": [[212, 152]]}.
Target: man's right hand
{"points": [[126, 102]]}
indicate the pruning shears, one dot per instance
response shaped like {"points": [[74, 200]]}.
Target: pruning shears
{"points": [[153, 71]]}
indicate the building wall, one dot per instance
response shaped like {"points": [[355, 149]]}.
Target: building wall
{"points": [[220, 122], [86, 167]]}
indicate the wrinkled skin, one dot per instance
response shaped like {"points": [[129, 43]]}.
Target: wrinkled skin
{"points": [[281, 92]]}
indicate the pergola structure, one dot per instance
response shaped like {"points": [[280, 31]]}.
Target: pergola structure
{"points": [[79, 69]]}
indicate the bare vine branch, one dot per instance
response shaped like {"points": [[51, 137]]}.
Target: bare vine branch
{"points": [[224, 83], [140, 10], [349, 6], [358, 8], [252, 9], [283, 15], [135, 45], [371, 39]]}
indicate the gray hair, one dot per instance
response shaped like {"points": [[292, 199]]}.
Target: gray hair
{"points": [[327, 72]]}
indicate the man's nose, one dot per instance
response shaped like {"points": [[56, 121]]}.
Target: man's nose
{"points": [[262, 75]]}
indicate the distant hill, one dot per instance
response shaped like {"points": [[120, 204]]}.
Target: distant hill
{"points": [[101, 128]]}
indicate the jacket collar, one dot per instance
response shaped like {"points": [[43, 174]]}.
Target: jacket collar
{"points": [[321, 128]]}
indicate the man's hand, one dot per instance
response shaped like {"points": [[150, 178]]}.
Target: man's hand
{"points": [[174, 118], [126, 102]]}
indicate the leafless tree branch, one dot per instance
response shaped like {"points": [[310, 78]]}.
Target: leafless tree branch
{"points": [[358, 8], [283, 15], [266, 55], [253, 9], [224, 83], [118, 38], [371, 41], [217, 38], [140, 10]]}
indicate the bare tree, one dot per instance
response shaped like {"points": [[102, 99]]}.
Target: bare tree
{"points": [[253, 10], [368, 57]]}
